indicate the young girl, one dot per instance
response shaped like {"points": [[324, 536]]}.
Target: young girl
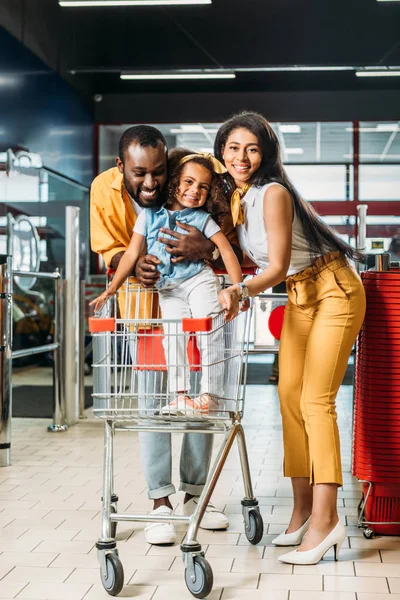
{"points": [[186, 289]]}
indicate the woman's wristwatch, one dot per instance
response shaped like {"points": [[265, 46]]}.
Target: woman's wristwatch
{"points": [[244, 291]]}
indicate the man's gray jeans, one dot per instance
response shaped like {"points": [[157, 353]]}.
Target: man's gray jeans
{"points": [[155, 448]]}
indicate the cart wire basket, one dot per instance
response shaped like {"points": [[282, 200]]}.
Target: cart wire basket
{"points": [[140, 364]]}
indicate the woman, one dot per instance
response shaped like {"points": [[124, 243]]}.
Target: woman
{"points": [[283, 235]]}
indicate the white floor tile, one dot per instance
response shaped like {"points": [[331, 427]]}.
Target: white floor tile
{"points": [[50, 520], [60, 546], [236, 580], [39, 574], [366, 596], [252, 565], [394, 585], [298, 595], [10, 589], [242, 594], [54, 591], [326, 567], [390, 556], [164, 592], [291, 582], [377, 570], [221, 565], [355, 584], [234, 551]]}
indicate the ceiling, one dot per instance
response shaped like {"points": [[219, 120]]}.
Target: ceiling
{"points": [[98, 43]]}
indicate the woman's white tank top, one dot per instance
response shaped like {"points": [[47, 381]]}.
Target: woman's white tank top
{"points": [[253, 237]]}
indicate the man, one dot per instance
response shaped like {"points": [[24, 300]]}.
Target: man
{"points": [[117, 197]]}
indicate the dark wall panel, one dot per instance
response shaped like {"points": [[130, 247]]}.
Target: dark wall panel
{"points": [[40, 111], [276, 106]]}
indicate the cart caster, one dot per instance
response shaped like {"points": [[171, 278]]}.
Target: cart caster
{"points": [[203, 583], [114, 581], [368, 533], [255, 531], [113, 529]]}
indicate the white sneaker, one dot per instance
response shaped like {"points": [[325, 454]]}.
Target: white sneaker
{"points": [[212, 518], [160, 533]]}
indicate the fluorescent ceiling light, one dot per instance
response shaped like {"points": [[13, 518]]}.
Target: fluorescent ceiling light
{"points": [[284, 68], [167, 75], [188, 129], [389, 128], [192, 129], [9, 81], [294, 150], [387, 158], [57, 131], [89, 3], [379, 73], [290, 128]]}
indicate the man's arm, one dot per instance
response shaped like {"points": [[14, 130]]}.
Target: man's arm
{"points": [[116, 259], [145, 270], [192, 245], [107, 233]]}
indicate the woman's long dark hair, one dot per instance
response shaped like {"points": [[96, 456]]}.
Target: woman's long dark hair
{"points": [[320, 237]]}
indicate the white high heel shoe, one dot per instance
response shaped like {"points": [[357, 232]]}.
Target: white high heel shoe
{"points": [[294, 538], [311, 557]]}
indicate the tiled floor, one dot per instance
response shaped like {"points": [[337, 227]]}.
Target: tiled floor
{"points": [[49, 520]]}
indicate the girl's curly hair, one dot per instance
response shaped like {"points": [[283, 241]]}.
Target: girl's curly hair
{"points": [[216, 204]]}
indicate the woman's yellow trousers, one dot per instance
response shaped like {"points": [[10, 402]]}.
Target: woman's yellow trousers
{"points": [[323, 316]]}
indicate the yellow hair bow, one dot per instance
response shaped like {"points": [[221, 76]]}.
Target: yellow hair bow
{"points": [[217, 165]]}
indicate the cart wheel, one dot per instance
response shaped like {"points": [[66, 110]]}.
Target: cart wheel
{"points": [[114, 582], [255, 531], [202, 586], [113, 531], [368, 533]]}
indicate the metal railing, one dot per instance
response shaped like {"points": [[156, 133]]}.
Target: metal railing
{"points": [[56, 347], [7, 355], [5, 362]]}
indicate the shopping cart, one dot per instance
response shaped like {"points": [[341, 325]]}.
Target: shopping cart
{"points": [[133, 387]]}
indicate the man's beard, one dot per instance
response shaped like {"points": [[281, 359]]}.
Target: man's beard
{"points": [[156, 202]]}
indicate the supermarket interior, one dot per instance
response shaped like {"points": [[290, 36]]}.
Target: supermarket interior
{"points": [[148, 447]]}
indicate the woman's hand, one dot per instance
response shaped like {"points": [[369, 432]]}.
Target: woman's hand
{"points": [[229, 299], [100, 301]]}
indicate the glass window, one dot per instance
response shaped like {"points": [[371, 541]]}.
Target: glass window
{"points": [[43, 195], [322, 182], [315, 142], [379, 182], [380, 142], [300, 142]]}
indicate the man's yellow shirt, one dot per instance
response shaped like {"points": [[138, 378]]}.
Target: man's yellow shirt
{"points": [[112, 219]]}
